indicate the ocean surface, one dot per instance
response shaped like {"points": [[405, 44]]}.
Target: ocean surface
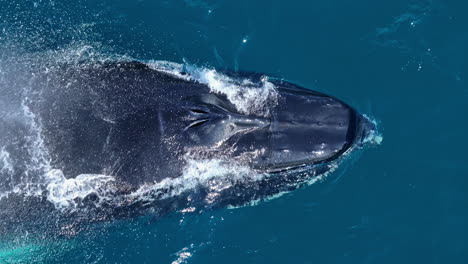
{"points": [[402, 62]]}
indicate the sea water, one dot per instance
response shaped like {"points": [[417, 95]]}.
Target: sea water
{"points": [[403, 63]]}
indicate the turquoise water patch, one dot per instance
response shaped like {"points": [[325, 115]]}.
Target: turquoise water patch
{"points": [[18, 254]]}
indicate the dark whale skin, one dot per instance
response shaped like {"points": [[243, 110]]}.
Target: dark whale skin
{"points": [[141, 126], [133, 122]]}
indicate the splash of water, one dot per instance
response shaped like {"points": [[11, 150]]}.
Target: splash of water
{"points": [[248, 97]]}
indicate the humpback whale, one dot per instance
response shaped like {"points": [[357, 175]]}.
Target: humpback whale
{"points": [[128, 134]]}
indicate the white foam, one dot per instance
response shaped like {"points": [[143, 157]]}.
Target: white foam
{"points": [[216, 175], [36, 162], [248, 97], [37, 150], [6, 162], [63, 192], [40, 175], [374, 136], [310, 181], [6, 169], [183, 255]]}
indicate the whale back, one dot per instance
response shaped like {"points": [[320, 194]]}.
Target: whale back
{"points": [[112, 118]]}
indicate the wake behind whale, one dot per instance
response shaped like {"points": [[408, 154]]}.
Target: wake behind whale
{"points": [[103, 138]]}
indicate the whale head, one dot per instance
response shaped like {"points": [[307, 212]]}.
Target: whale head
{"points": [[303, 127]]}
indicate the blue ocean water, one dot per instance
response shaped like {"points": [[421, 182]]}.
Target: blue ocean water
{"points": [[402, 62]]}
